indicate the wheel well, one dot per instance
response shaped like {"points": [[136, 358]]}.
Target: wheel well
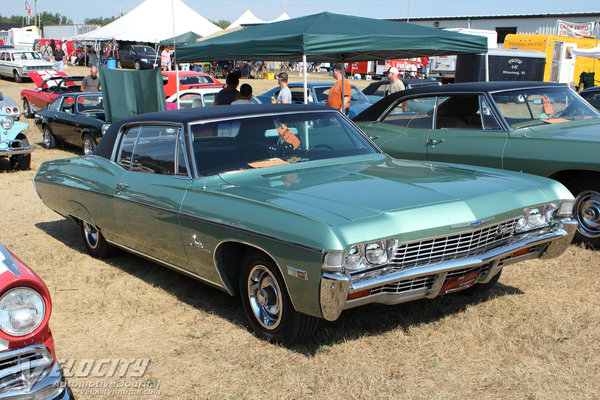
{"points": [[566, 177], [229, 257]]}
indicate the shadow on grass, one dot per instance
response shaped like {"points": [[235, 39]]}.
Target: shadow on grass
{"points": [[353, 324]]}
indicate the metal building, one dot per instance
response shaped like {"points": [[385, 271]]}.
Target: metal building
{"points": [[545, 24]]}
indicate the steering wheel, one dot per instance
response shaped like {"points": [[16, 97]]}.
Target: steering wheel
{"points": [[326, 147]]}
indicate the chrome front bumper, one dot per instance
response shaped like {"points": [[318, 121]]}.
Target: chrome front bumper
{"points": [[427, 281], [10, 150], [31, 373]]}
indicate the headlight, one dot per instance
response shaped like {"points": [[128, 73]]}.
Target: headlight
{"points": [[535, 217], [105, 128], [363, 256], [144, 59], [6, 122], [22, 310]]}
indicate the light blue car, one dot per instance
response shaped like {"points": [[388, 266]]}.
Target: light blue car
{"points": [[318, 93], [14, 143]]}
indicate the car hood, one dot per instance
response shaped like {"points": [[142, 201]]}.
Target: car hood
{"points": [[427, 194]]}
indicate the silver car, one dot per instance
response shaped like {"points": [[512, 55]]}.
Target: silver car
{"points": [[16, 63], [10, 107]]}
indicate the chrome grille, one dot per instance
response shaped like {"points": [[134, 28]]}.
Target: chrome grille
{"points": [[452, 247], [20, 369], [422, 282]]}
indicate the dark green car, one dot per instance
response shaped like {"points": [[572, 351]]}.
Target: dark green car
{"points": [[298, 212], [541, 128]]}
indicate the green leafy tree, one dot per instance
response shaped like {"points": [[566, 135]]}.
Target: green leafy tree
{"points": [[222, 23], [99, 21]]}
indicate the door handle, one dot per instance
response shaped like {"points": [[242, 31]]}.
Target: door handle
{"points": [[434, 142], [119, 187]]}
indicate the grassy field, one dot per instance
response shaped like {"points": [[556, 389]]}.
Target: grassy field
{"points": [[534, 336]]}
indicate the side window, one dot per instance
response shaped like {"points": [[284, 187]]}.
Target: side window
{"points": [[155, 149], [128, 140], [68, 105], [458, 112], [190, 100], [54, 104], [412, 113], [209, 99], [382, 90], [487, 117]]}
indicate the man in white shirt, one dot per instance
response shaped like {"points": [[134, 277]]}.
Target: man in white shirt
{"points": [[245, 95], [285, 95]]}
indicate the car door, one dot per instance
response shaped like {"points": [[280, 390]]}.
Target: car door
{"points": [[65, 125], [467, 132], [403, 130], [148, 196]]}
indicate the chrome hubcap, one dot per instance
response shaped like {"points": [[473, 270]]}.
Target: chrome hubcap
{"points": [[587, 213], [264, 295], [91, 234], [88, 147], [47, 137]]}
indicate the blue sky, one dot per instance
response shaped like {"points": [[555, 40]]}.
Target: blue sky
{"points": [[230, 10]]}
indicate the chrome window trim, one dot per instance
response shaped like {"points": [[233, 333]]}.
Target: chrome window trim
{"points": [[482, 98]]}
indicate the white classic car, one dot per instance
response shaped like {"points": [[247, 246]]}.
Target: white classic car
{"points": [[17, 63]]}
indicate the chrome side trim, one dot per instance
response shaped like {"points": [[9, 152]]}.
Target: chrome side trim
{"points": [[169, 265]]}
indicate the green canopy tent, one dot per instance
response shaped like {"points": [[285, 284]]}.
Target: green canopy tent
{"points": [[328, 37], [185, 38]]}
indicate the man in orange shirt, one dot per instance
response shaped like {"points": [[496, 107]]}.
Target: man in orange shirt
{"points": [[335, 93]]}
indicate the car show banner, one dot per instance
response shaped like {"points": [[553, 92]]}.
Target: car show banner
{"points": [[574, 29]]}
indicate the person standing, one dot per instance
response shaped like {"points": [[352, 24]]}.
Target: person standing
{"points": [[229, 93], [64, 49], [59, 55], [396, 84], [245, 95], [335, 93], [91, 83], [285, 95], [165, 59]]}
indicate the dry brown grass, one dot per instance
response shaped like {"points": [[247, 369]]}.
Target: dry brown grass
{"points": [[534, 336]]}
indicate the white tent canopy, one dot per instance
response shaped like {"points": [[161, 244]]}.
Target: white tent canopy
{"points": [[247, 18], [282, 17], [593, 53], [153, 21]]}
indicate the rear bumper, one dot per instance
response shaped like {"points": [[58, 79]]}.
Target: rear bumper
{"points": [[428, 281], [31, 373], [11, 150]]}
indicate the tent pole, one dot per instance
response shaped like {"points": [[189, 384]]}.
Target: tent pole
{"points": [[175, 55], [343, 71], [304, 69]]}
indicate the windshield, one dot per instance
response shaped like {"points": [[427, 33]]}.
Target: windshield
{"points": [[551, 105], [264, 141], [26, 55]]}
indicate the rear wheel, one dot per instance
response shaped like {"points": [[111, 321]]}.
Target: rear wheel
{"points": [[94, 242], [21, 161], [137, 65], [119, 65], [27, 109], [49, 139], [17, 76], [586, 211], [267, 305], [88, 144]]}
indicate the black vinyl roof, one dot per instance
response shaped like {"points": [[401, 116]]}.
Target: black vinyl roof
{"points": [[374, 112], [187, 115]]}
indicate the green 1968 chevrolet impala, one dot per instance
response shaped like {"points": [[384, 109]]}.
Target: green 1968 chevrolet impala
{"points": [[300, 213], [540, 128]]}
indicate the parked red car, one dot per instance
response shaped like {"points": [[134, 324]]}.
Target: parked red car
{"points": [[28, 365], [187, 80], [50, 85]]}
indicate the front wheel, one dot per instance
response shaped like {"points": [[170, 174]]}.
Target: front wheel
{"points": [[94, 241], [88, 144], [21, 161], [587, 211], [267, 305], [27, 109], [18, 77]]}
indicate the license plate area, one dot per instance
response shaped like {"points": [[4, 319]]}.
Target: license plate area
{"points": [[460, 281]]}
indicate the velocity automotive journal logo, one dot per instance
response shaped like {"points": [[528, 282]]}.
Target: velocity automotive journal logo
{"points": [[104, 367]]}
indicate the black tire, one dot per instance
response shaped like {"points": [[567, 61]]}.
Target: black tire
{"points": [[21, 161], [267, 305], [94, 241], [119, 65], [586, 211], [27, 109], [18, 78], [88, 144], [137, 66], [480, 288], [48, 137]]}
